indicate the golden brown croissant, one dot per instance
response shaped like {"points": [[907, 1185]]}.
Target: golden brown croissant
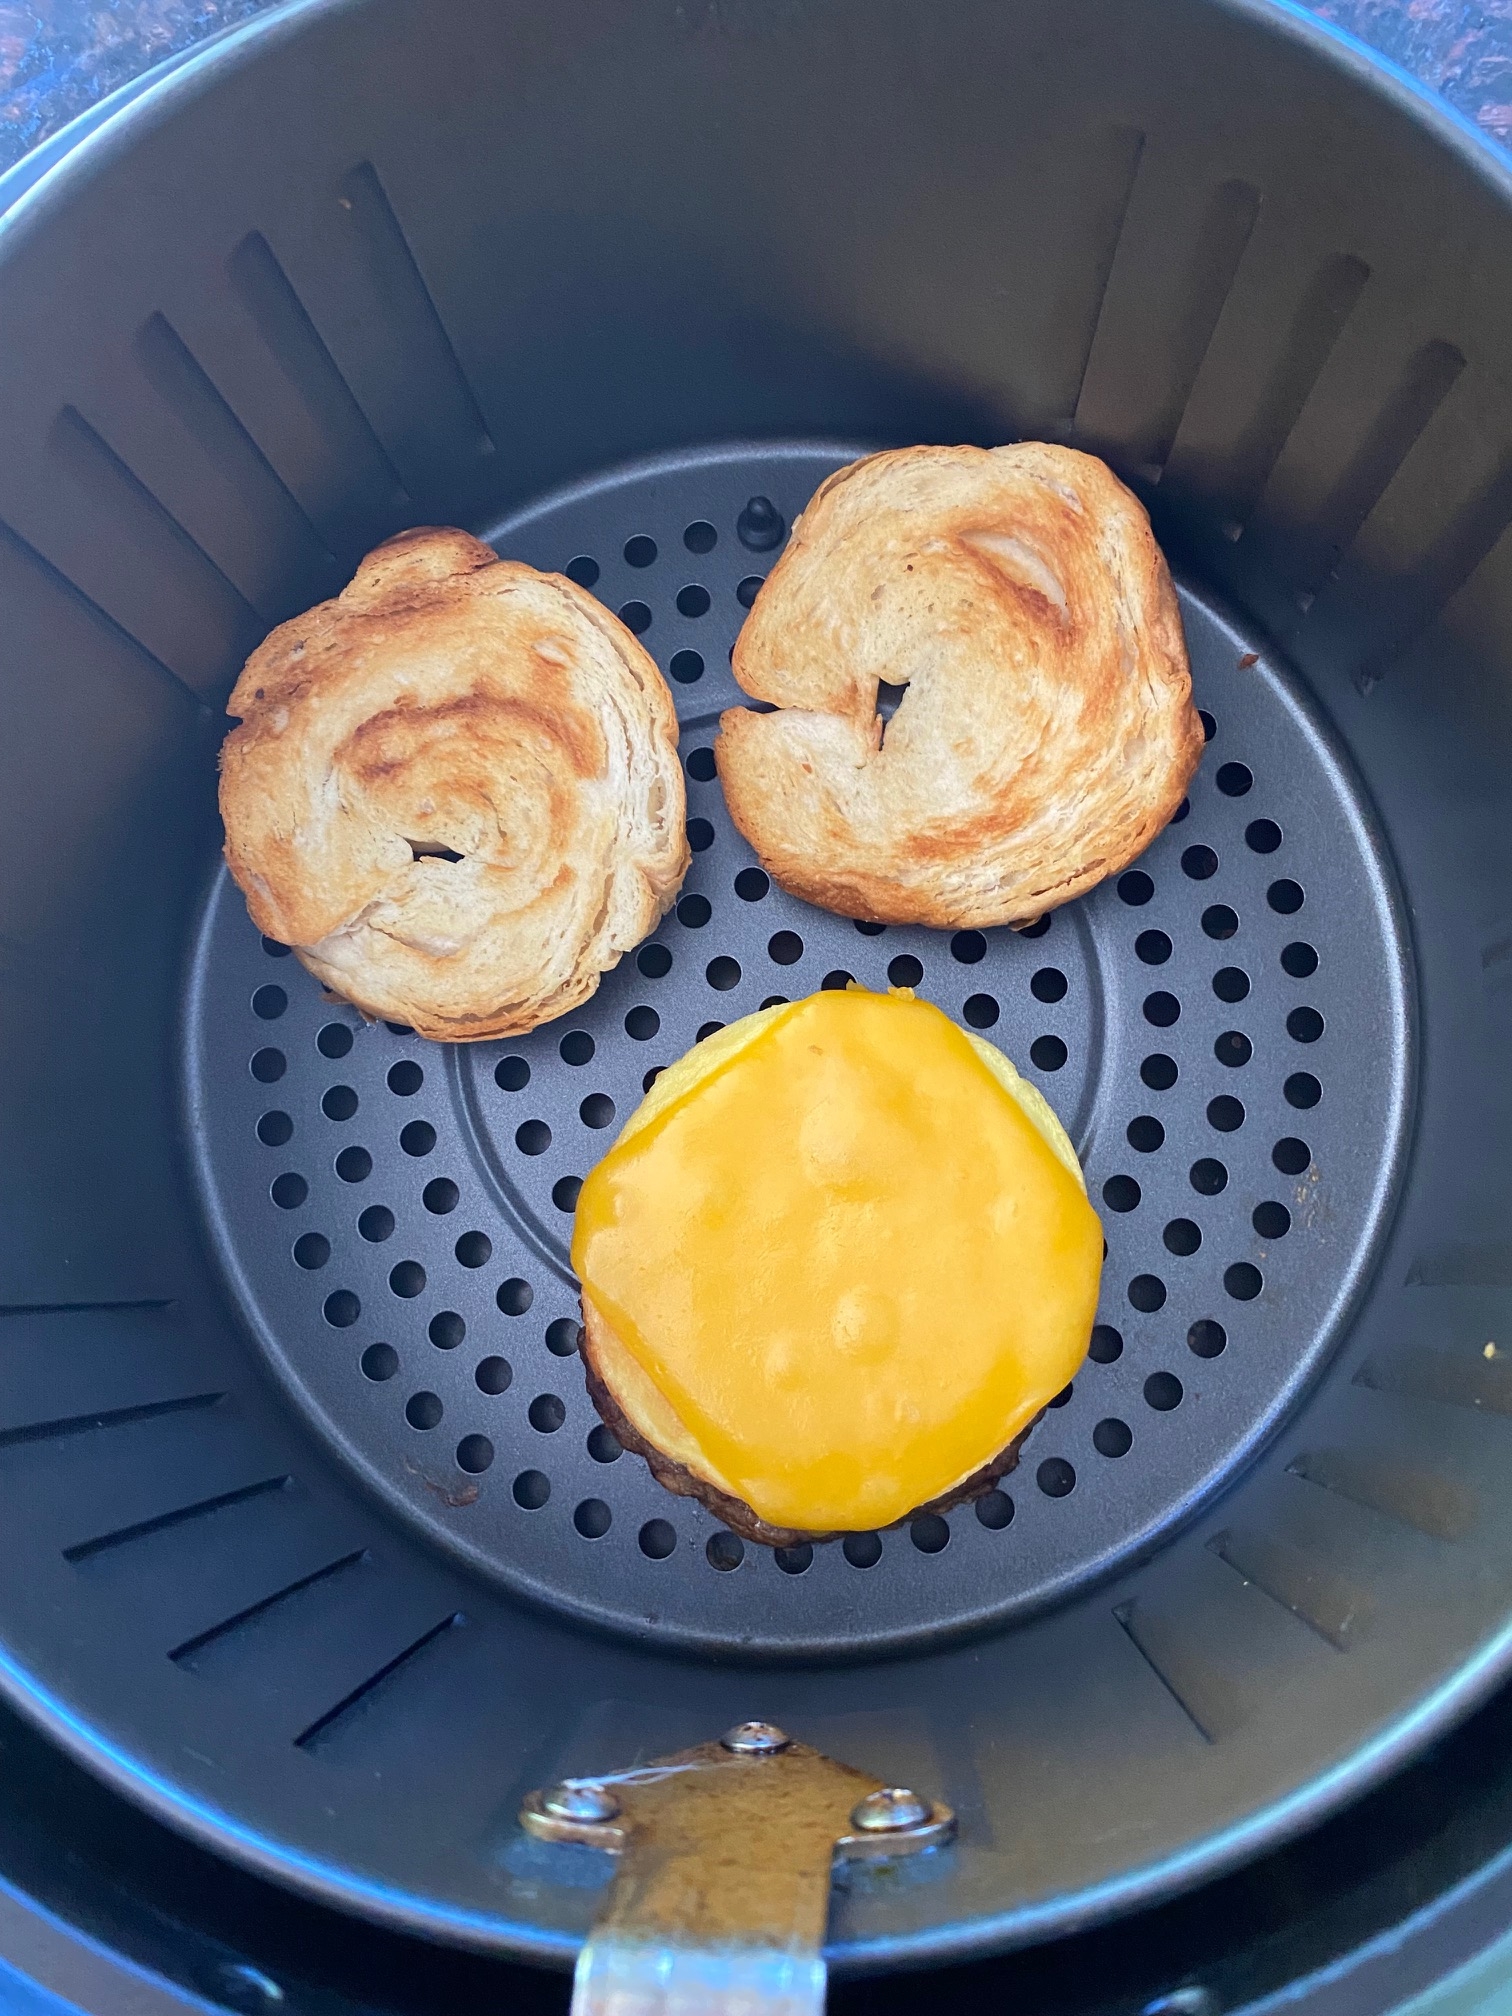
{"points": [[455, 790], [1047, 733]]}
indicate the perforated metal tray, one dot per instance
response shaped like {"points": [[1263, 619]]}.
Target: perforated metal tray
{"points": [[1223, 1031]]}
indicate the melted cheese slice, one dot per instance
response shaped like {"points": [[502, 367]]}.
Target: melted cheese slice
{"points": [[839, 1257]]}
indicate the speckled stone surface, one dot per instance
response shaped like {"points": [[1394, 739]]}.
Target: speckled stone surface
{"points": [[58, 57]]}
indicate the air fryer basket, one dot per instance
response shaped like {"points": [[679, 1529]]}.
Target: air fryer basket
{"points": [[313, 1544]]}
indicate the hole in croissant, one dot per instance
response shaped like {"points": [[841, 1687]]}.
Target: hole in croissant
{"points": [[889, 699], [432, 850]]}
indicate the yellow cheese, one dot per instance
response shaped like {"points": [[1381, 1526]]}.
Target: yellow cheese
{"points": [[840, 1256]]}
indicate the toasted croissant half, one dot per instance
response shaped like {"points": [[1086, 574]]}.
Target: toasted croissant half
{"points": [[1046, 731], [455, 790]]}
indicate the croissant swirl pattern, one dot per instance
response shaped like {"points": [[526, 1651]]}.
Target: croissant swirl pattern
{"points": [[1046, 731], [454, 790]]}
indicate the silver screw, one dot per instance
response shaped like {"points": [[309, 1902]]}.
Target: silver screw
{"points": [[893, 1810], [589, 1803], [755, 1739]]}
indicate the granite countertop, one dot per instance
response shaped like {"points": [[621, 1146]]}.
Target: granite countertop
{"points": [[58, 57]]}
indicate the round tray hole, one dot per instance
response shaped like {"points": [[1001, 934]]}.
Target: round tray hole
{"points": [[311, 1250], [597, 1110], [929, 1533], [532, 1137], [700, 836], [969, 947], [1200, 864], [418, 1138], [576, 1047], [1242, 1281], [1271, 1220], [335, 1040], [1163, 1391], [656, 1539], [1181, 1237], [446, 1329], [1112, 1437], [339, 1102], [1219, 921], [1225, 1113], [837, 981], [1048, 985], [1304, 1025], [905, 970], [289, 1191], [702, 767], [862, 1550], [1106, 1346], [376, 1224], [1055, 1477], [423, 1410], [1231, 983], [1208, 1177], [724, 1551], [379, 1362], [1302, 1090], [747, 590], [751, 884], [511, 1074], [604, 1445], [794, 1560], [405, 1078], [700, 537], [1147, 1293], [636, 617], [1285, 897], [1233, 1048], [1145, 1134], [981, 1011], [269, 1002], [562, 1337], [1162, 1010], [274, 1129], [565, 1192], [1291, 1156], [1121, 1193], [592, 1518], [693, 601], [354, 1165], [407, 1279], [1158, 1071], [584, 570], [1047, 1053], [1234, 779], [723, 973], [474, 1454], [1207, 1338], [1152, 947], [268, 1066], [546, 1413], [994, 1510], [473, 1249], [494, 1375], [531, 1489], [341, 1309], [694, 911], [440, 1196], [1299, 959]]}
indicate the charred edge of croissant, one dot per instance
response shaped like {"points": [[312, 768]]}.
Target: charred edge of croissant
{"points": [[734, 1512]]}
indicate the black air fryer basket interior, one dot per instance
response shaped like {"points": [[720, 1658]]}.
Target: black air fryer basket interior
{"points": [[313, 1545]]}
